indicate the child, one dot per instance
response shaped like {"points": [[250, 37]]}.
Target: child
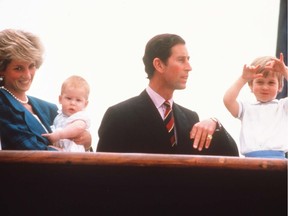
{"points": [[264, 130], [71, 120]]}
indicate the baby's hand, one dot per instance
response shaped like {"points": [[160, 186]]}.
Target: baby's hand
{"points": [[52, 137]]}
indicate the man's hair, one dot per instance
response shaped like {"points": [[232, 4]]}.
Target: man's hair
{"points": [[159, 47]]}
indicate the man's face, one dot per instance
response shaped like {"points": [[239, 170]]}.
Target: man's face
{"points": [[177, 67]]}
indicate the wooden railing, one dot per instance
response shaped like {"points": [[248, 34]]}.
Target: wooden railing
{"points": [[58, 183], [129, 159]]}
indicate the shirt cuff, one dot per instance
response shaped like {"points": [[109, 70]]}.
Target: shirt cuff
{"points": [[218, 124]]}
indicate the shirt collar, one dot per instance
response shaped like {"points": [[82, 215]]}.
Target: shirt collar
{"points": [[259, 102], [157, 99]]}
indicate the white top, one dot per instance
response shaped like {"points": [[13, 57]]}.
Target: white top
{"points": [[61, 121], [264, 126]]}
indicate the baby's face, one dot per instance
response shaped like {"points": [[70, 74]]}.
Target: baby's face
{"points": [[73, 100]]}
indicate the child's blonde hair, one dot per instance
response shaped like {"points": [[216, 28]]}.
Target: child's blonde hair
{"points": [[76, 82], [262, 61]]}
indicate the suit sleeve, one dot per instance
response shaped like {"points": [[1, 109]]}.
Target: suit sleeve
{"points": [[109, 132], [223, 144]]}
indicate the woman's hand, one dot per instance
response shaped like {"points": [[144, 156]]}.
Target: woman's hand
{"points": [[84, 139]]}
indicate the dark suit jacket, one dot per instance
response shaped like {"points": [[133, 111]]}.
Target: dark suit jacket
{"points": [[135, 126], [20, 130]]}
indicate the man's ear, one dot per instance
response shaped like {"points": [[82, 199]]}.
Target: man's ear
{"points": [[158, 65]]}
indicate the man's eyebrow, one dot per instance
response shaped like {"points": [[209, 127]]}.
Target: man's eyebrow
{"points": [[183, 56]]}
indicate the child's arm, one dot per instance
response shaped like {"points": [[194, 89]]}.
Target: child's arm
{"points": [[72, 130], [230, 97]]}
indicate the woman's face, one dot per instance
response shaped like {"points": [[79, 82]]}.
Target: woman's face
{"points": [[18, 76]]}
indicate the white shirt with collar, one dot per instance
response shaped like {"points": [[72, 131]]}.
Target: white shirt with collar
{"points": [[158, 101], [264, 126]]}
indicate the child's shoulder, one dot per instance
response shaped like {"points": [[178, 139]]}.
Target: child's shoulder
{"points": [[81, 115]]}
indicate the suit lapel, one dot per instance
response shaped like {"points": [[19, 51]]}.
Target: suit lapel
{"points": [[45, 119], [151, 118], [32, 123], [181, 123]]}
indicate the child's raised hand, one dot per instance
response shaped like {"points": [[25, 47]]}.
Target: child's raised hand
{"points": [[278, 66], [249, 72]]}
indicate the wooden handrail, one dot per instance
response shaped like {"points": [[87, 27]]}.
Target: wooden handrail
{"points": [[137, 159], [63, 183]]}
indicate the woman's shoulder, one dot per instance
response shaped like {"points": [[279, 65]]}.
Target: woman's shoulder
{"points": [[34, 101], [40, 101]]}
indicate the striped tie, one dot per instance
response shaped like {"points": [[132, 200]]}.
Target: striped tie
{"points": [[169, 122]]}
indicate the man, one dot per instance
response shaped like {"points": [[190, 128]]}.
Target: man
{"points": [[141, 124]]}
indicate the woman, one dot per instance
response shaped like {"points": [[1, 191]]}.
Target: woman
{"points": [[24, 118]]}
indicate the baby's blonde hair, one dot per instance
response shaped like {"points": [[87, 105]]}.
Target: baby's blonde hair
{"points": [[76, 82]]}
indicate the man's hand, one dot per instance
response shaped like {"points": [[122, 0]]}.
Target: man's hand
{"points": [[202, 133]]}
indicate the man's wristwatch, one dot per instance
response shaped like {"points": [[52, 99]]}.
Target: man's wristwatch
{"points": [[218, 124]]}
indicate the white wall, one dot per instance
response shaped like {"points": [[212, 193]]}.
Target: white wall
{"points": [[104, 42]]}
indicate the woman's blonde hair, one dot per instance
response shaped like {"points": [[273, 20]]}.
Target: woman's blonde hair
{"points": [[20, 45]]}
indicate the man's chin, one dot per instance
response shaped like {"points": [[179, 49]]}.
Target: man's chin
{"points": [[181, 87]]}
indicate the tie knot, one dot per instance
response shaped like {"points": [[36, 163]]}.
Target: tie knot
{"points": [[167, 104]]}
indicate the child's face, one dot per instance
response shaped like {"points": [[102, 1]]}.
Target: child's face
{"points": [[265, 89], [73, 100]]}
